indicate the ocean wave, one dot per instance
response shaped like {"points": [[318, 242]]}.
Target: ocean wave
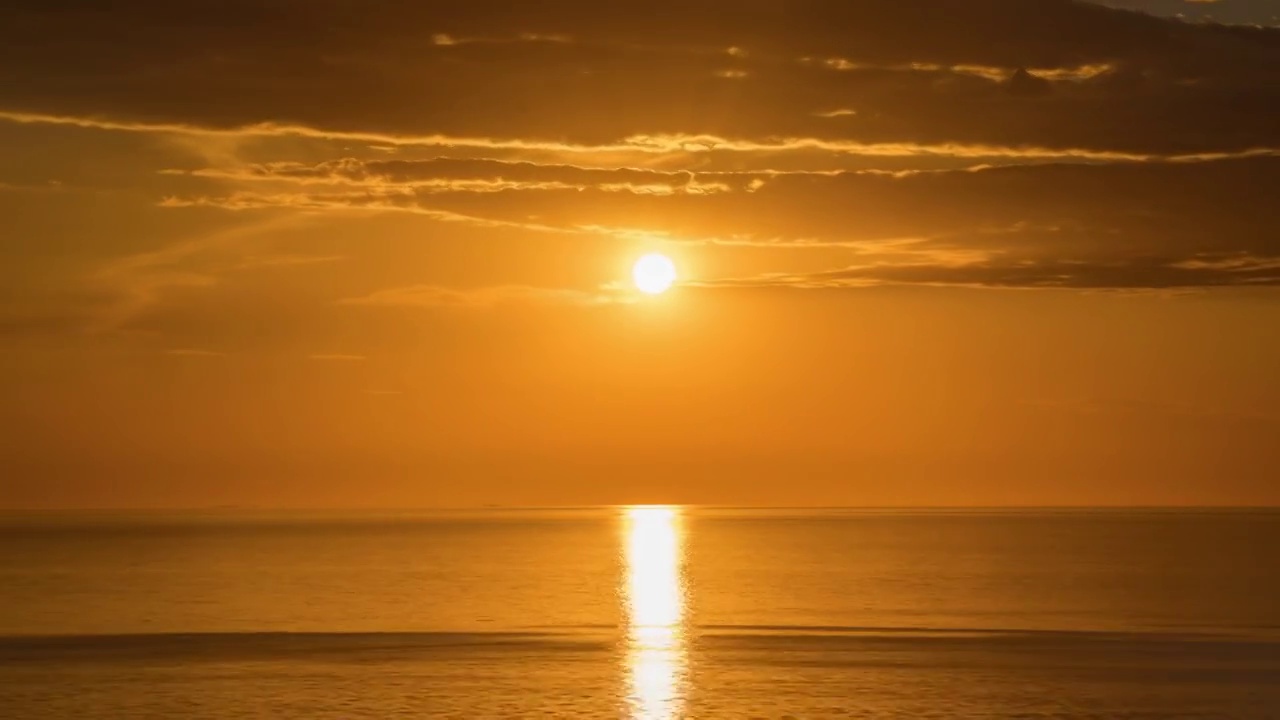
{"points": [[231, 646]]}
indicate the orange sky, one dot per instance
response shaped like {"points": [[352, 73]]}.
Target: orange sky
{"points": [[313, 254]]}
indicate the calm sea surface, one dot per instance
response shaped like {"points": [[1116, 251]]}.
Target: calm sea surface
{"points": [[642, 613]]}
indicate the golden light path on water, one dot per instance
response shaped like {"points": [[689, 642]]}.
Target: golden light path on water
{"points": [[655, 594]]}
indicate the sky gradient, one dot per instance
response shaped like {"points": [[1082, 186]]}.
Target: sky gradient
{"points": [[932, 252]]}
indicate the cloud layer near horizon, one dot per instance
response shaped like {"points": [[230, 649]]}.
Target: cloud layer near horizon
{"points": [[821, 124]]}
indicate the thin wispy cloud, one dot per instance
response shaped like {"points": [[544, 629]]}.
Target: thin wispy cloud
{"points": [[428, 296], [194, 352], [336, 357]]}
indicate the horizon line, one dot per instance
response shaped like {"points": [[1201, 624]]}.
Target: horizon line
{"points": [[618, 506]]}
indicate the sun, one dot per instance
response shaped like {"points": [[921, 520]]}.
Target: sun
{"points": [[653, 274]]}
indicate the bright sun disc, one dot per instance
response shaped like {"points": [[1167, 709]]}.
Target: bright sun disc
{"points": [[653, 274]]}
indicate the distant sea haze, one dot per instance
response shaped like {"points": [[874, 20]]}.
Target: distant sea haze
{"points": [[645, 612]]}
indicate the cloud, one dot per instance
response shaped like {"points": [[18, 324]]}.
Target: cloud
{"points": [[336, 357], [441, 175], [255, 262], [373, 200], [664, 144], [1245, 12], [926, 76], [1146, 274], [992, 143], [1068, 225], [51, 186], [194, 352], [430, 296], [131, 284]]}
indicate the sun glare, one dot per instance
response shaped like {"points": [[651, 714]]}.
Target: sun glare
{"points": [[653, 274], [655, 592]]}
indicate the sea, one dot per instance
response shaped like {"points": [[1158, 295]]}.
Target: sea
{"points": [[642, 613]]}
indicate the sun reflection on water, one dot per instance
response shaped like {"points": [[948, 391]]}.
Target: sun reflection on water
{"points": [[655, 612]]}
